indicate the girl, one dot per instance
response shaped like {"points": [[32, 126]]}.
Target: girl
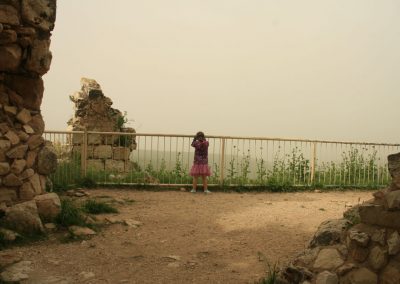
{"points": [[200, 164]]}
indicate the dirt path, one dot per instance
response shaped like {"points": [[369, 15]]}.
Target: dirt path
{"points": [[190, 238]]}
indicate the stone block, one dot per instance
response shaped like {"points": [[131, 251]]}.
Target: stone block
{"points": [[24, 116], [35, 141], [35, 182], [360, 276], [40, 57], [12, 137], [378, 257], [393, 200], [114, 166], [328, 259], [121, 153], [391, 273], [8, 36], [12, 180], [4, 168], [94, 139], [24, 218], [39, 13], [10, 57], [28, 173], [7, 195], [17, 152], [327, 277], [18, 166], [26, 192], [31, 158], [102, 152], [329, 232], [376, 214], [49, 206], [393, 242], [95, 165], [5, 145], [28, 129], [47, 160], [9, 15]]}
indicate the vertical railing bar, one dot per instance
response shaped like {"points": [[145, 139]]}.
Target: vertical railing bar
{"points": [[222, 162]]}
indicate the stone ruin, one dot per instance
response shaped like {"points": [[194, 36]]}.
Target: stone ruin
{"points": [[361, 248], [26, 159], [93, 112]]}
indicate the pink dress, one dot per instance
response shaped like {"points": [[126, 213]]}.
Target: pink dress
{"points": [[200, 164]]}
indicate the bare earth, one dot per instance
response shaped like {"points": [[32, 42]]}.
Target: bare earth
{"points": [[190, 238]]}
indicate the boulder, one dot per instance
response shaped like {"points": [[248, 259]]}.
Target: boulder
{"points": [[376, 214], [360, 276], [39, 13], [17, 152], [24, 116], [47, 160], [327, 277], [328, 259], [10, 57], [393, 243], [329, 232], [40, 57], [393, 200], [9, 15], [49, 206], [102, 152], [24, 218], [81, 231], [391, 273], [17, 272], [378, 257]]}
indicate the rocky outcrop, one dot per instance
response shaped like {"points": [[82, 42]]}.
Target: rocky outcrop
{"points": [[93, 112], [25, 30], [365, 249]]}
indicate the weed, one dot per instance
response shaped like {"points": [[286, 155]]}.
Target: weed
{"points": [[95, 207], [70, 214], [272, 274]]}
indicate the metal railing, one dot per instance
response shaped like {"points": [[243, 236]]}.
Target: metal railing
{"points": [[165, 159]]}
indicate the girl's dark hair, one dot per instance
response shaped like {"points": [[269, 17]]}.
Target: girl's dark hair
{"points": [[200, 135]]}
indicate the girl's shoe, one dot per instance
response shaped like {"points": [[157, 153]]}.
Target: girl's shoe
{"points": [[193, 190], [207, 191]]}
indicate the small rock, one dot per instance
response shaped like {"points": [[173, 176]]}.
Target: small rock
{"points": [[6, 259], [132, 223], [327, 277], [328, 259], [379, 236], [359, 238], [378, 257], [81, 231], [361, 276], [9, 235], [50, 227], [394, 243], [172, 257], [182, 189], [114, 220], [16, 272], [173, 264], [346, 268], [87, 275]]}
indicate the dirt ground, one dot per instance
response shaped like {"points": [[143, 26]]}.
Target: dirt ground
{"points": [[189, 238]]}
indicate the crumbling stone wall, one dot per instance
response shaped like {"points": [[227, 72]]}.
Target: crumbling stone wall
{"points": [[25, 160], [93, 112], [362, 248]]}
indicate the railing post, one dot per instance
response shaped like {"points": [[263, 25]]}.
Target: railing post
{"points": [[84, 147], [222, 162], [313, 161]]}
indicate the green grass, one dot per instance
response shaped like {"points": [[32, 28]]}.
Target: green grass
{"points": [[70, 214], [95, 207], [271, 277]]}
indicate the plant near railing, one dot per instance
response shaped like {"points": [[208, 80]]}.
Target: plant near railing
{"points": [[261, 172], [244, 169]]}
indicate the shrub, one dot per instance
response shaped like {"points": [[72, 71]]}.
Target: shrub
{"points": [[95, 207], [70, 214]]}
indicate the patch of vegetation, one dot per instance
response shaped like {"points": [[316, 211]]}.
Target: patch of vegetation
{"points": [[70, 214], [87, 182], [95, 207], [272, 274]]}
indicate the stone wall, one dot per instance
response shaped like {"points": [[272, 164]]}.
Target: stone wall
{"points": [[25, 159], [362, 248], [93, 112]]}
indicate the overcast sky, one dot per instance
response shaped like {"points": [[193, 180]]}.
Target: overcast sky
{"points": [[302, 69]]}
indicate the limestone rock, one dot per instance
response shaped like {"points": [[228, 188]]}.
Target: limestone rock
{"points": [[26, 192], [9, 15], [18, 166], [12, 137], [379, 236], [359, 238], [328, 259], [7, 195], [378, 257], [39, 13], [16, 272], [40, 57], [95, 165], [9, 235], [8, 36], [10, 110], [4, 168], [17, 152], [327, 277], [24, 116], [35, 141], [121, 153], [10, 57], [27, 174], [31, 158], [49, 206], [5, 145], [81, 231], [394, 170], [360, 276], [102, 152], [114, 166], [329, 232], [393, 200], [24, 218], [47, 160], [375, 214], [35, 182], [12, 180], [391, 273], [394, 243]]}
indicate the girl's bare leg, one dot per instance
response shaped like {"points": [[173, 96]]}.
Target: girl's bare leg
{"points": [[195, 183], [205, 183]]}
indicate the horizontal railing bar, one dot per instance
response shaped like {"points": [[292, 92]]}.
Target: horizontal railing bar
{"points": [[227, 137]]}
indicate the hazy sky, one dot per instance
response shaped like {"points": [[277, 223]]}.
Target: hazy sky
{"points": [[302, 69]]}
